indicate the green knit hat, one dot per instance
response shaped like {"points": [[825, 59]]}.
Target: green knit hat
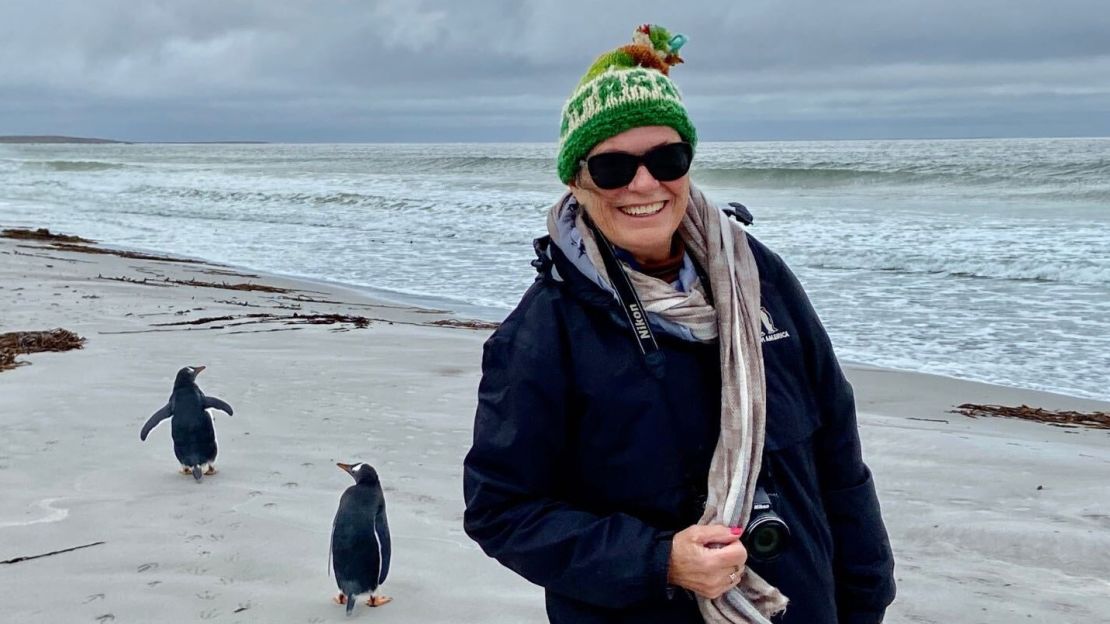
{"points": [[624, 89]]}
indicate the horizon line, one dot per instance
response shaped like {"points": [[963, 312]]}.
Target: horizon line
{"points": [[45, 139]]}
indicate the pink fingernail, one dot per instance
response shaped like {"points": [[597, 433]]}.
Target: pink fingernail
{"points": [[736, 530]]}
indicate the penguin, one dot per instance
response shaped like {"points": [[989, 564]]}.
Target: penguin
{"points": [[360, 545], [194, 438]]}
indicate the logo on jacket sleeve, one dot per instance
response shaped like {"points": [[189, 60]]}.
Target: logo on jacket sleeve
{"points": [[769, 332]]}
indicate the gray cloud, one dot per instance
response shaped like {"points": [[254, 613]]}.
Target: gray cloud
{"points": [[444, 70]]}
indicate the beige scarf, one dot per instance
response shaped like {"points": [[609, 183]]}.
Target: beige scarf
{"points": [[719, 245]]}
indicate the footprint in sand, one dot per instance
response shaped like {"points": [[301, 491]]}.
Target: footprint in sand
{"points": [[107, 617], [92, 597], [290, 484], [154, 583], [270, 505], [147, 567], [207, 595], [211, 614], [254, 493]]}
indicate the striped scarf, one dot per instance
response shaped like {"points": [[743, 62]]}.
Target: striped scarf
{"points": [[720, 246]]}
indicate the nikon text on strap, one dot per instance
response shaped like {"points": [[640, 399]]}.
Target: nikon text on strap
{"points": [[630, 302]]}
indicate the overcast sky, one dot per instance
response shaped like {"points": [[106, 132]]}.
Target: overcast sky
{"points": [[484, 70]]}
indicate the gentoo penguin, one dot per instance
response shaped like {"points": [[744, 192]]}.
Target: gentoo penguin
{"points": [[194, 438], [360, 546]]}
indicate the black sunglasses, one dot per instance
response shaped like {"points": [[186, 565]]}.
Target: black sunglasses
{"points": [[612, 170]]}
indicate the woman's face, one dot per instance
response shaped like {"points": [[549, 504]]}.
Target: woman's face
{"points": [[640, 218]]}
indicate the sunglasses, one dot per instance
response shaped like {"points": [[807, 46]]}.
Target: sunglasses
{"points": [[612, 170]]}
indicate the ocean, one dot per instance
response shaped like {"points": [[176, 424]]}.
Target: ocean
{"points": [[979, 259]]}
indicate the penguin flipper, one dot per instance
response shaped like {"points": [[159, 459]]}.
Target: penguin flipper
{"points": [[331, 541], [215, 403], [385, 547], [153, 421]]}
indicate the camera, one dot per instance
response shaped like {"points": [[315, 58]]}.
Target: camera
{"points": [[766, 535]]}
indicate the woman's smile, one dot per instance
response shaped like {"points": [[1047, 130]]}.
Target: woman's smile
{"points": [[643, 210]]}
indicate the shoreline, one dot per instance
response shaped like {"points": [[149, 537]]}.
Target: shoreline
{"points": [[362, 291], [981, 511], [456, 307], [444, 309]]}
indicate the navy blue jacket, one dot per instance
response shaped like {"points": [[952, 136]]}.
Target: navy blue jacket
{"points": [[584, 464]]}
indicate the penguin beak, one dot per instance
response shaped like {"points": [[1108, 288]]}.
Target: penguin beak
{"points": [[346, 468], [197, 370]]}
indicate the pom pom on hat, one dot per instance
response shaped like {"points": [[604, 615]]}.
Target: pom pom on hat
{"points": [[623, 89]]}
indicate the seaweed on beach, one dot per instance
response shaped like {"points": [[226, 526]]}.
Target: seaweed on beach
{"points": [[466, 324], [216, 319], [246, 286], [289, 319], [66, 242], [247, 304], [1095, 420], [48, 554], [146, 281], [241, 286], [21, 343], [134, 255], [42, 234], [328, 319]]}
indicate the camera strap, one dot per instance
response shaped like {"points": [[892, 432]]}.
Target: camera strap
{"points": [[630, 302]]}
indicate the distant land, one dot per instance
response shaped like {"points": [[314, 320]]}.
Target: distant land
{"points": [[32, 138], [28, 138]]}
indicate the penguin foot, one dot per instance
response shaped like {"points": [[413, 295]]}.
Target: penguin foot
{"points": [[377, 601], [211, 470], [187, 471], [340, 599]]}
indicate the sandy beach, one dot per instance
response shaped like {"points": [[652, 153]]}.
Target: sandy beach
{"points": [[992, 520]]}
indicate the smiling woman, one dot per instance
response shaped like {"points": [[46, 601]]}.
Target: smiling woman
{"points": [[642, 214], [663, 432]]}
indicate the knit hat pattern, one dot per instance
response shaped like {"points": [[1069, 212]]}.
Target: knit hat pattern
{"points": [[625, 88]]}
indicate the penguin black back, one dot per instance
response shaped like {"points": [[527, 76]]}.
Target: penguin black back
{"points": [[194, 436], [360, 542]]}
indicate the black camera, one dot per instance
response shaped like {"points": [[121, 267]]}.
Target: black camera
{"points": [[766, 536]]}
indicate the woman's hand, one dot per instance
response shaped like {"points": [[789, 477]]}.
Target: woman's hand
{"points": [[707, 560]]}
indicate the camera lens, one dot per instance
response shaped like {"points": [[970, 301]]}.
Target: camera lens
{"points": [[766, 537]]}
